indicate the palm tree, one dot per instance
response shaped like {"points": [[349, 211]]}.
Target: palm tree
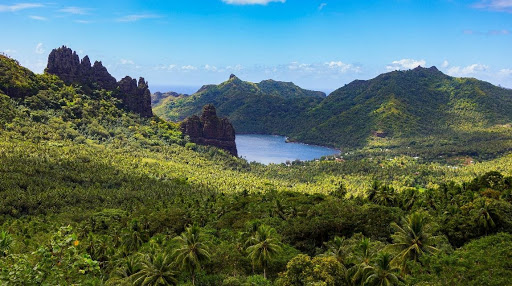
{"points": [[382, 194], [484, 214], [126, 271], [362, 258], [382, 273], [413, 239], [5, 242], [264, 245], [338, 249], [157, 269], [192, 250]]}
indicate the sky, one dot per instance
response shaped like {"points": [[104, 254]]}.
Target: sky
{"points": [[317, 44]]}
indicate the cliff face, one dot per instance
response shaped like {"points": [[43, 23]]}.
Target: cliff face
{"points": [[210, 130], [65, 63]]}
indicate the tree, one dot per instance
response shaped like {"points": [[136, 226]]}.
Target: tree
{"points": [[264, 245], [321, 270], [484, 214], [337, 249], [126, 271], [362, 256], [381, 194], [157, 269], [382, 272], [413, 239], [192, 250]]}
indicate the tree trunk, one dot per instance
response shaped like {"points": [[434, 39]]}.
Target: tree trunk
{"points": [[265, 272], [193, 278]]}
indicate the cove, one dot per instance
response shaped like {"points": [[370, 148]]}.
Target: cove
{"points": [[268, 149]]}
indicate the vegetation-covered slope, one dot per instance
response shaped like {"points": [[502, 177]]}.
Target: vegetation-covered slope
{"points": [[411, 105], [268, 107], [91, 194]]}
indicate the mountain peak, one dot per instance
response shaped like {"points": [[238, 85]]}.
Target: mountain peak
{"points": [[232, 76]]}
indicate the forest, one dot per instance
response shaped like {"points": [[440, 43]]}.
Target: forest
{"points": [[92, 194]]}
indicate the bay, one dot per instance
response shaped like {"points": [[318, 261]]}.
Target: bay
{"points": [[268, 149]]}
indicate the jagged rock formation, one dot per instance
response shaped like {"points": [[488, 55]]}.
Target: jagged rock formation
{"points": [[135, 96], [65, 63], [210, 130]]}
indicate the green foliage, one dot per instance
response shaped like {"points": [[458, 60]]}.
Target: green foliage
{"points": [[485, 261], [191, 251], [264, 245], [302, 270], [91, 194], [157, 269], [412, 239]]}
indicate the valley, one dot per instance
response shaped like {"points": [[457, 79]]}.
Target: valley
{"points": [[95, 189]]}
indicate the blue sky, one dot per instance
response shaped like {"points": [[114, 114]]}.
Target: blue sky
{"points": [[320, 44]]}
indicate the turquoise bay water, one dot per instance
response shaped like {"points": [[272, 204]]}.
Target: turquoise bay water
{"points": [[268, 149]]}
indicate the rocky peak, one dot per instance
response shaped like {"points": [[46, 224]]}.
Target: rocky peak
{"points": [[102, 77], [209, 129], [66, 64], [232, 76], [135, 97]]}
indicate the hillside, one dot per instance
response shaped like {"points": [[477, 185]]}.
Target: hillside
{"points": [[94, 193], [268, 107], [410, 105], [422, 110]]}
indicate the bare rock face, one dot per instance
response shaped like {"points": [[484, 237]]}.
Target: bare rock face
{"points": [[135, 97], [210, 130], [65, 63]]}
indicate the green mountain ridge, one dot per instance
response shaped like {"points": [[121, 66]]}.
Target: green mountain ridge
{"points": [[251, 107], [394, 109]]}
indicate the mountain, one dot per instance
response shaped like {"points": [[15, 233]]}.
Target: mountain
{"points": [[268, 107], [412, 105], [159, 98], [65, 63], [418, 108]]}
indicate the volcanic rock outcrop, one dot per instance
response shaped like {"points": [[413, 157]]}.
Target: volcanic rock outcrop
{"points": [[210, 130], [65, 63]]}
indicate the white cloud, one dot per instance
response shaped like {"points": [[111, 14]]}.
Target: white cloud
{"points": [[296, 66], [235, 68], [40, 49], [39, 18], [75, 10], [322, 6], [137, 17], [496, 5], [506, 72], [468, 70], [126, 62], [210, 68], [19, 6], [251, 2], [341, 66], [405, 64], [445, 64], [188, 68]]}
